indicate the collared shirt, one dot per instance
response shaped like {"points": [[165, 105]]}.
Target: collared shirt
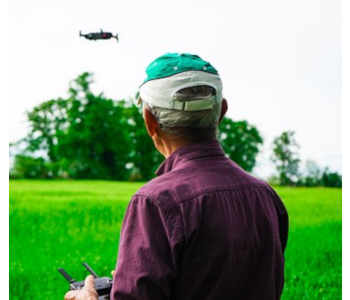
{"points": [[203, 229]]}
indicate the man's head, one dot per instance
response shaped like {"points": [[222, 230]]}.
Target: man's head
{"points": [[182, 97]]}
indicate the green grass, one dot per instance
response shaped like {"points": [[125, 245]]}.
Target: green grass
{"points": [[64, 223], [314, 250]]}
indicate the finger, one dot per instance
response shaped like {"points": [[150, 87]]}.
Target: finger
{"points": [[113, 272], [70, 295], [89, 282]]}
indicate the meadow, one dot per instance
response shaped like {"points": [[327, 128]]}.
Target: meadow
{"points": [[64, 223]]}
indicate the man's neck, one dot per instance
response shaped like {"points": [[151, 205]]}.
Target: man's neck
{"points": [[166, 148]]}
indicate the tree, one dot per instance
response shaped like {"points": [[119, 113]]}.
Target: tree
{"points": [[81, 135], [331, 179], [30, 167], [46, 121], [240, 141], [89, 136], [286, 158], [313, 174], [144, 157], [96, 144]]}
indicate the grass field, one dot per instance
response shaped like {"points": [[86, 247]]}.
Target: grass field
{"points": [[64, 223]]}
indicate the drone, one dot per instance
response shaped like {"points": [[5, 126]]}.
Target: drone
{"points": [[99, 35]]}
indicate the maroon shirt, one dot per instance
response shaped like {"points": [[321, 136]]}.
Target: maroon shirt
{"points": [[203, 229]]}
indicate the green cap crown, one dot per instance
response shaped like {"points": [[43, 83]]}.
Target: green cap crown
{"points": [[173, 63]]}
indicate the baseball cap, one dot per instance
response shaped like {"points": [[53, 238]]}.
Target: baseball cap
{"points": [[173, 72]]}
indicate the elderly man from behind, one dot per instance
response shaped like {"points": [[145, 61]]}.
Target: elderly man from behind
{"points": [[204, 228]]}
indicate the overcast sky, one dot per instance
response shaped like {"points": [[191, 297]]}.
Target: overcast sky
{"points": [[280, 61]]}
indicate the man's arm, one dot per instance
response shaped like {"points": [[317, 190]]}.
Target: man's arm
{"points": [[148, 252], [283, 219]]}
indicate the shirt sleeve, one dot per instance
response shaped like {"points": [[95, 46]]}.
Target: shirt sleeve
{"points": [[148, 253], [283, 219]]}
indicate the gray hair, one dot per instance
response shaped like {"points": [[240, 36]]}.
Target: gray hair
{"points": [[189, 126]]}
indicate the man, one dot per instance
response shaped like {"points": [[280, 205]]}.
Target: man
{"points": [[204, 228]]}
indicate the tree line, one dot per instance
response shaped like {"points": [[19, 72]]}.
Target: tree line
{"points": [[90, 136], [287, 162]]}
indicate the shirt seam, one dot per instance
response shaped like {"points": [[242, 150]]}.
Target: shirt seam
{"points": [[192, 196]]}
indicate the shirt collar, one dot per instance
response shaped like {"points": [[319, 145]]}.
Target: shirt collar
{"points": [[189, 152]]}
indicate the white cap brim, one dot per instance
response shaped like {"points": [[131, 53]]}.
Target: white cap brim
{"points": [[161, 92]]}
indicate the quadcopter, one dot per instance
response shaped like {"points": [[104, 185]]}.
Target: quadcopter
{"points": [[99, 35]]}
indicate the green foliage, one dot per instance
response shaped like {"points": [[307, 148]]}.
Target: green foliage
{"points": [[145, 159], [88, 136], [30, 167], [316, 177], [331, 179], [286, 158], [240, 141], [63, 223]]}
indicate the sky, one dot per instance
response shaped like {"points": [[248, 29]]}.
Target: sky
{"points": [[280, 61]]}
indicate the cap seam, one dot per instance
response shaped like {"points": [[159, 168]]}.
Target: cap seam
{"points": [[179, 73]]}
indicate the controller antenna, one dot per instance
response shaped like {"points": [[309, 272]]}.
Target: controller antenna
{"points": [[92, 272], [68, 278]]}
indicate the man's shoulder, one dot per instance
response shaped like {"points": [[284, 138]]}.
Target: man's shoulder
{"points": [[172, 188], [161, 191]]}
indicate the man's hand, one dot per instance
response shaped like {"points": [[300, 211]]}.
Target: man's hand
{"points": [[88, 292]]}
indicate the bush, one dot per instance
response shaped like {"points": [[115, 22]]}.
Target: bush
{"points": [[30, 167], [331, 179]]}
